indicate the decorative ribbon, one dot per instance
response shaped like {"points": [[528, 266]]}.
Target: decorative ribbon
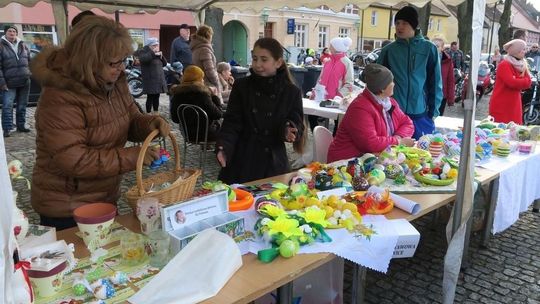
{"points": [[268, 255], [325, 238], [24, 266]]}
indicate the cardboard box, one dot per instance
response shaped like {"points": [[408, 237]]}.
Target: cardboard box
{"points": [[408, 239], [185, 220], [38, 235]]}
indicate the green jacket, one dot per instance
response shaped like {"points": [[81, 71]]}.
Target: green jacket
{"points": [[416, 66]]}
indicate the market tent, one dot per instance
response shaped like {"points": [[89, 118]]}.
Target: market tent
{"points": [[465, 192]]}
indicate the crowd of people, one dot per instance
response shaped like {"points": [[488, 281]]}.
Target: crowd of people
{"points": [[86, 114]]}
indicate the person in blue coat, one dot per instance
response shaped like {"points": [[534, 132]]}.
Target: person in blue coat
{"points": [[416, 66]]}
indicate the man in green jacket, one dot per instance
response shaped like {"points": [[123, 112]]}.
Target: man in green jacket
{"points": [[416, 66]]}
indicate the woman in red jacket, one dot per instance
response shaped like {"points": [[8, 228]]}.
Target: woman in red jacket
{"points": [[447, 72], [373, 120], [512, 77]]}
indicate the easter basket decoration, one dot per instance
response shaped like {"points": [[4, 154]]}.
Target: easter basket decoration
{"points": [[182, 181]]}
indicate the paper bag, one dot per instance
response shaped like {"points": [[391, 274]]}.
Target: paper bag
{"points": [[196, 273]]}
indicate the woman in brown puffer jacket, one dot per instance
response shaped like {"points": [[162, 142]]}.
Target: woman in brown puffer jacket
{"points": [[203, 56], [84, 119]]}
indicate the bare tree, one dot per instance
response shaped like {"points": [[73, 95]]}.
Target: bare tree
{"points": [[423, 17], [464, 16], [505, 30]]}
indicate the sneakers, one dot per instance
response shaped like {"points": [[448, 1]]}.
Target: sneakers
{"points": [[23, 130]]}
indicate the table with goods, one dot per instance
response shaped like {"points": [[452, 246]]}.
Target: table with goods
{"points": [[283, 226]]}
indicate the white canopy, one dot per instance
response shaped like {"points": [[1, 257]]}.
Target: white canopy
{"points": [[132, 6]]}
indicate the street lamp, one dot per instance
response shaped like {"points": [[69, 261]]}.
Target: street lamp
{"points": [[493, 28], [264, 16]]}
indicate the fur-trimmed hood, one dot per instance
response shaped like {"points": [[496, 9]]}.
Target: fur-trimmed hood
{"points": [[49, 69]]}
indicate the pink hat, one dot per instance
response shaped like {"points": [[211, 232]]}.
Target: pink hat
{"points": [[514, 47]]}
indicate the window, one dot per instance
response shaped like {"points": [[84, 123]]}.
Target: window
{"points": [[350, 9], [378, 44], [430, 25], [323, 36], [344, 32], [438, 25], [300, 34], [373, 18], [38, 36], [137, 36]]}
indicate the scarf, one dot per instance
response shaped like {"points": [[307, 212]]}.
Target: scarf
{"points": [[386, 105], [519, 64]]}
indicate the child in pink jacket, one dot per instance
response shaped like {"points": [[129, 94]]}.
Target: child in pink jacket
{"points": [[373, 120]]}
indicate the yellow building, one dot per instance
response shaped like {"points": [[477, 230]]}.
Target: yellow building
{"points": [[377, 24], [296, 29]]}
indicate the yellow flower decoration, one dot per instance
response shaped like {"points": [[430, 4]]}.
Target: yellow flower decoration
{"points": [[286, 226], [315, 215], [273, 211]]}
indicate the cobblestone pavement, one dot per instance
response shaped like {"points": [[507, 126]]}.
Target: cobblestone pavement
{"points": [[506, 272]]}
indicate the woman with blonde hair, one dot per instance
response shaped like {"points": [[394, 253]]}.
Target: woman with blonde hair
{"points": [[226, 79], [84, 119], [203, 56]]}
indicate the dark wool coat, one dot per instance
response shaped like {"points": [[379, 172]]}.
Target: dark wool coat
{"points": [[153, 77], [198, 95], [253, 131], [80, 139], [14, 71]]}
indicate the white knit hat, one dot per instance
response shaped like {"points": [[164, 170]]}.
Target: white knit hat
{"points": [[151, 41], [341, 44]]}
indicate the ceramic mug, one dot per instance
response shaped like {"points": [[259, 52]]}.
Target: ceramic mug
{"points": [[148, 214]]}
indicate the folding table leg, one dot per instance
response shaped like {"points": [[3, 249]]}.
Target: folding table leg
{"points": [[285, 293], [492, 196], [358, 288]]}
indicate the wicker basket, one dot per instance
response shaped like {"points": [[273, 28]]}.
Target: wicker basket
{"points": [[182, 180]]}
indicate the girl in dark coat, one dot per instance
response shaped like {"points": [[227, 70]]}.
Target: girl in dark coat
{"points": [[193, 91], [153, 78], [264, 112]]}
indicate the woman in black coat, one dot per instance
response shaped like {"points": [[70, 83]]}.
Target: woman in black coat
{"points": [[153, 78], [192, 90], [264, 111]]}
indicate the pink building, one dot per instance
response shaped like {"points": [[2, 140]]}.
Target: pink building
{"points": [[36, 24]]}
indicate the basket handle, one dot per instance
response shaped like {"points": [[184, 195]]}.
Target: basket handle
{"points": [[140, 160]]}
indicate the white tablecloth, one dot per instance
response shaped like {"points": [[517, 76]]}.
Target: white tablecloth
{"points": [[312, 107], [519, 186]]}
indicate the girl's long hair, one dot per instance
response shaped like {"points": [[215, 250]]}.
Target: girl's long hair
{"points": [[276, 50]]}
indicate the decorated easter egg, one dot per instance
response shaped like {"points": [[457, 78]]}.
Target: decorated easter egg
{"points": [[401, 157], [296, 180], [263, 201], [119, 278], [423, 142], [360, 183], [323, 181], [378, 166], [392, 171], [435, 148], [376, 177], [503, 150], [299, 189], [369, 163]]}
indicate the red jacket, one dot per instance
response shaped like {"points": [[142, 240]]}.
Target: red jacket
{"points": [[448, 80], [363, 129], [505, 102]]}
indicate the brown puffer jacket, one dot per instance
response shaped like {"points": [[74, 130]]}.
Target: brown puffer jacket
{"points": [[203, 57], [80, 153]]}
